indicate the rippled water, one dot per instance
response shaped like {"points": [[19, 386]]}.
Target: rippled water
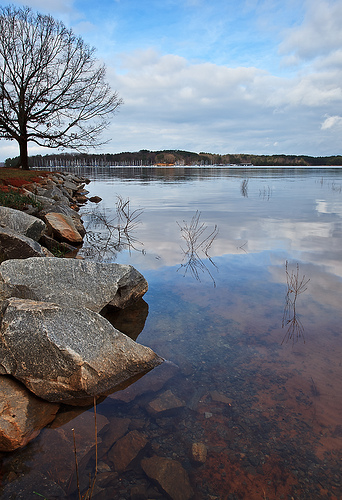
{"points": [[252, 337]]}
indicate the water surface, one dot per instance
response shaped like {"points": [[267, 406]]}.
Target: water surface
{"points": [[259, 389]]}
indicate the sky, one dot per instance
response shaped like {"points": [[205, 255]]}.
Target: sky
{"points": [[216, 76]]}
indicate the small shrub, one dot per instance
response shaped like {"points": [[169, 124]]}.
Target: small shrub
{"points": [[59, 251]]}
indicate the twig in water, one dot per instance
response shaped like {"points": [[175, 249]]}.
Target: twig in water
{"points": [[96, 457], [196, 242], [88, 494], [76, 466], [106, 236], [295, 287]]}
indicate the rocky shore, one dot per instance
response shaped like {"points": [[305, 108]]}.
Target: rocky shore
{"points": [[55, 346], [51, 223]]}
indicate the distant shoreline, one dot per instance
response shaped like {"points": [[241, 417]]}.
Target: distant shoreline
{"points": [[176, 158]]}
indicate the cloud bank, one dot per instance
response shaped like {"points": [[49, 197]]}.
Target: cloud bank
{"points": [[200, 76]]}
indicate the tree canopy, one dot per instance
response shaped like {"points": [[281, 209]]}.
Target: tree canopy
{"points": [[53, 91]]}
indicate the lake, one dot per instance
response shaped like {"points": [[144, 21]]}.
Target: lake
{"points": [[244, 267]]}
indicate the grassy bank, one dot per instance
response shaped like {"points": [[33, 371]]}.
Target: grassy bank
{"points": [[12, 182], [15, 177]]}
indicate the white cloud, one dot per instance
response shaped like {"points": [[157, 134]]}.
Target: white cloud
{"points": [[174, 102], [170, 102], [332, 121], [319, 34]]}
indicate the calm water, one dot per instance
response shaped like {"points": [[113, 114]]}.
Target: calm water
{"points": [[252, 335]]}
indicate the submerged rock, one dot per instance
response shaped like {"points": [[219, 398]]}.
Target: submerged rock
{"points": [[127, 449], [67, 354], [33, 486], [151, 382], [199, 453], [170, 476], [167, 402], [71, 282]]}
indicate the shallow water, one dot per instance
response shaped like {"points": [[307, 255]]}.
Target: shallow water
{"points": [[259, 389]]}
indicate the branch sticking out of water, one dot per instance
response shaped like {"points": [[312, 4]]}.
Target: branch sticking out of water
{"points": [[106, 236], [89, 492], [128, 220], [296, 285], [197, 242]]}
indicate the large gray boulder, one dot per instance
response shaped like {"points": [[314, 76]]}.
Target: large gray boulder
{"points": [[67, 354], [22, 223], [72, 282], [14, 245]]}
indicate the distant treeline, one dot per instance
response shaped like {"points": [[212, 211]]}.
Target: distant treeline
{"points": [[172, 157]]}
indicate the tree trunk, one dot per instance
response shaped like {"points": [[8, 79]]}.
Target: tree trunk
{"points": [[23, 154]]}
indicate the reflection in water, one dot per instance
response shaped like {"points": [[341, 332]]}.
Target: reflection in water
{"points": [[336, 187], [128, 221], [265, 193], [106, 236], [242, 247], [244, 188], [295, 287], [130, 320], [196, 242]]}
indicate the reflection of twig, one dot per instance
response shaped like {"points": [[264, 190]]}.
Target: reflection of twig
{"points": [[196, 242], [266, 193], [106, 236], [315, 392], [244, 188], [336, 187], [295, 286], [242, 247]]}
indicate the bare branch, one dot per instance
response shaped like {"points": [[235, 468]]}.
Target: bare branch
{"points": [[295, 287], [106, 236], [196, 243]]}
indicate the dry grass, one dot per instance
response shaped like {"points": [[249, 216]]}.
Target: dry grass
{"points": [[17, 177]]}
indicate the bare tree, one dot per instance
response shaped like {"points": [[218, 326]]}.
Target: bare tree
{"points": [[52, 90]]}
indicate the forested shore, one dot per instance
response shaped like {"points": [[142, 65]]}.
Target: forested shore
{"points": [[173, 157]]}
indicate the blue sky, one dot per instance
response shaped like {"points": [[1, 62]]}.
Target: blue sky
{"points": [[221, 76]]}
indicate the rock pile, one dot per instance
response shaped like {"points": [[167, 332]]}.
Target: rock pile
{"points": [[52, 225], [55, 346]]}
